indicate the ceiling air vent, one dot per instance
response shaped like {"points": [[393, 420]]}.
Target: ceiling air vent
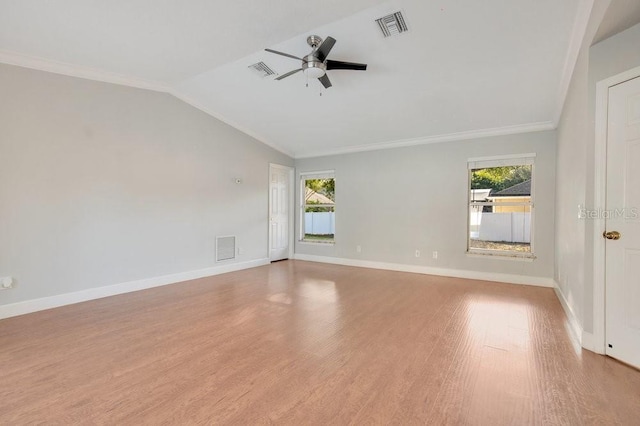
{"points": [[225, 248], [393, 24], [262, 69]]}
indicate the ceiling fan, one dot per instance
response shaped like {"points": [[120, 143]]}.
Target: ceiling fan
{"points": [[316, 64]]}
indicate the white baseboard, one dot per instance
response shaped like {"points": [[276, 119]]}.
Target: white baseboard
{"points": [[574, 325], [34, 305], [588, 342], [428, 270]]}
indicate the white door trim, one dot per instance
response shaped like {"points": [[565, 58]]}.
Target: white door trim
{"points": [[291, 206], [599, 203]]}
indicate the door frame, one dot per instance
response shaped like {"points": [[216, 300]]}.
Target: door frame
{"points": [[290, 208], [599, 202]]}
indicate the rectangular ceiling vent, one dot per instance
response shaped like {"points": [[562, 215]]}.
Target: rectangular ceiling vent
{"points": [[393, 24], [261, 69], [225, 248]]}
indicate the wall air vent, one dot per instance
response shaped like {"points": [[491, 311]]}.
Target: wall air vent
{"points": [[261, 69], [225, 248], [393, 24]]}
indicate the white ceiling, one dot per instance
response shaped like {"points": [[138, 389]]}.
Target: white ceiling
{"points": [[465, 68], [161, 40]]}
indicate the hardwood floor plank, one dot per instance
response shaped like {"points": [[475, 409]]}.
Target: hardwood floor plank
{"points": [[306, 343]]}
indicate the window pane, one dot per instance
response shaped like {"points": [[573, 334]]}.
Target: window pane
{"points": [[319, 210], [503, 180], [504, 224], [319, 223], [498, 229], [320, 191]]}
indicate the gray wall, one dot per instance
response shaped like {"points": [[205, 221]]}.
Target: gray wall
{"points": [[102, 184], [392, 202], [576, 160], [571, 184]]}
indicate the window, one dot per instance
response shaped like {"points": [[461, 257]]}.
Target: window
{"points": [[501, 206], [317, 212]]}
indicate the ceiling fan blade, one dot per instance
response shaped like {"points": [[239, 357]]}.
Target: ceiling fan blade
{"points": [[323, 50], [283, 54], [325, 81], [288, 74], [339, 65]]}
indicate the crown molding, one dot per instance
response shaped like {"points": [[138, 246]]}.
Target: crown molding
{"points": [[18, 59], [448, 137], [578, 33], [63, 68], [57, 67]]}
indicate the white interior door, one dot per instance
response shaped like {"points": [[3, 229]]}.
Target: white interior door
{"points": [[623, 210], [279, 210]]}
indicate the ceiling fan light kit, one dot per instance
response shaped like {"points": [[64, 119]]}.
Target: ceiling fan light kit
{"points": [[316, 64], [314, 69]]}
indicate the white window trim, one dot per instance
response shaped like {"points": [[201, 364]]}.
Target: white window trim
{"points": [[508, 256], [514, 160], [500, 161], [324, 174]]}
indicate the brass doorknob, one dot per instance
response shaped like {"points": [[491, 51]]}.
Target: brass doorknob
{"points": [[611, 235]]}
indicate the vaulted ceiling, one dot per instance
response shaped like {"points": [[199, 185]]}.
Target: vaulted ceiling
{"points": [[464, 69]]}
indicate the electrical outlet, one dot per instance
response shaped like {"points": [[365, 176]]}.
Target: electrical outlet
{"points": [[417, 253], [435, 254], [358, 249], [240, 251]]}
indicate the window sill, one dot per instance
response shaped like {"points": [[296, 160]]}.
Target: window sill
{"points": [[530, 257], [312, 242]]}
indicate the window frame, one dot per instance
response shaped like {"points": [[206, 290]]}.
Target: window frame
{"points": [[304, 176], [501, 161]]}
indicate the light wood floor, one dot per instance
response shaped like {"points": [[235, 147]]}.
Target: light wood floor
{"points": [[305, 343]]}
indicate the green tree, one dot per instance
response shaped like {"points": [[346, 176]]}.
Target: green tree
{"points": [[499, 178], [326, 187]]}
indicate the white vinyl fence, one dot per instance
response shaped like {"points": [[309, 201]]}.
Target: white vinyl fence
{"points": [[508, 227], [319, 223]]}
